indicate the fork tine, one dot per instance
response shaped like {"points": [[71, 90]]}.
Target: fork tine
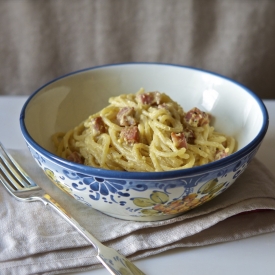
{"points": [[10, 173], [3, 179], [22, 179]]}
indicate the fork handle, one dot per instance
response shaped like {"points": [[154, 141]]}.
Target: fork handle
{"points": [[47, 200], [113, 261]]}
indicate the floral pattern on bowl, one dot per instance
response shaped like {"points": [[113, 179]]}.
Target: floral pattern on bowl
{"points": [[140, 199]]}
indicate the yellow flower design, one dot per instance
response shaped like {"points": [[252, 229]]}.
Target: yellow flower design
{"points": [[158, 203], [50, 174]]}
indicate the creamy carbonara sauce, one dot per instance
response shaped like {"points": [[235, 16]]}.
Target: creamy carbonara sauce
{"points": [[146, 131]]}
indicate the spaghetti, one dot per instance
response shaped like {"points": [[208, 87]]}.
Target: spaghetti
{"points": [[146, 131]]}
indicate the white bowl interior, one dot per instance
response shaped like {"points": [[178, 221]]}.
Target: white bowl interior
{"points": [[64, 103]]}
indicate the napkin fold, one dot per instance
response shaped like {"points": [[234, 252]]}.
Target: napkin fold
{"points": [[36, 240]]}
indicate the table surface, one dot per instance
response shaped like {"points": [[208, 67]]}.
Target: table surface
{"points": [[251, 256]]}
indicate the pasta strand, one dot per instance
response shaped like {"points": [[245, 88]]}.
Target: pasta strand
{"points": [[146, 131]]}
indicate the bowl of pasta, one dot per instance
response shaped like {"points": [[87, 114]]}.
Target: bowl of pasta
{"points": [[143, 141]]}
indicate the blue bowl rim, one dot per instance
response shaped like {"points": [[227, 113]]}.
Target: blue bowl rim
{"points": [[103, 173]]}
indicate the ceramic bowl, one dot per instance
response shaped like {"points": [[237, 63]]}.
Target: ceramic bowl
{"points": [[143, 196]]}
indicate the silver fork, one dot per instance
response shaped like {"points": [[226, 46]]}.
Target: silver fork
{"points": [[23, 188]]}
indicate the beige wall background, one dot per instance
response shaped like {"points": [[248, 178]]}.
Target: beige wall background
{"points": [[44, 39]]}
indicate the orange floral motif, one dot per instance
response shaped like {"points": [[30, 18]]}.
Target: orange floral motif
{"points": [[159, 203], [181, 205]]}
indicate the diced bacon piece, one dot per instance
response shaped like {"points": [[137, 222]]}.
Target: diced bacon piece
{"points": [[98, 125], [179, 140], [195, 117], [220, 154], [125, 116], [190, 136], [75, 157], [151, 98], [130, 134]]}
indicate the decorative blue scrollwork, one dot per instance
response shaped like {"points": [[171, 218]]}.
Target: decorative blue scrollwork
{"points": [[39, 159], [95, 197], [78, 185], [240, 171], [70, 175], [139, 187], [99, 187], [81, 199]]}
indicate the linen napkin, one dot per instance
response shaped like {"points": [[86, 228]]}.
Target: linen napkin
{"points": [[36, 240]]}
